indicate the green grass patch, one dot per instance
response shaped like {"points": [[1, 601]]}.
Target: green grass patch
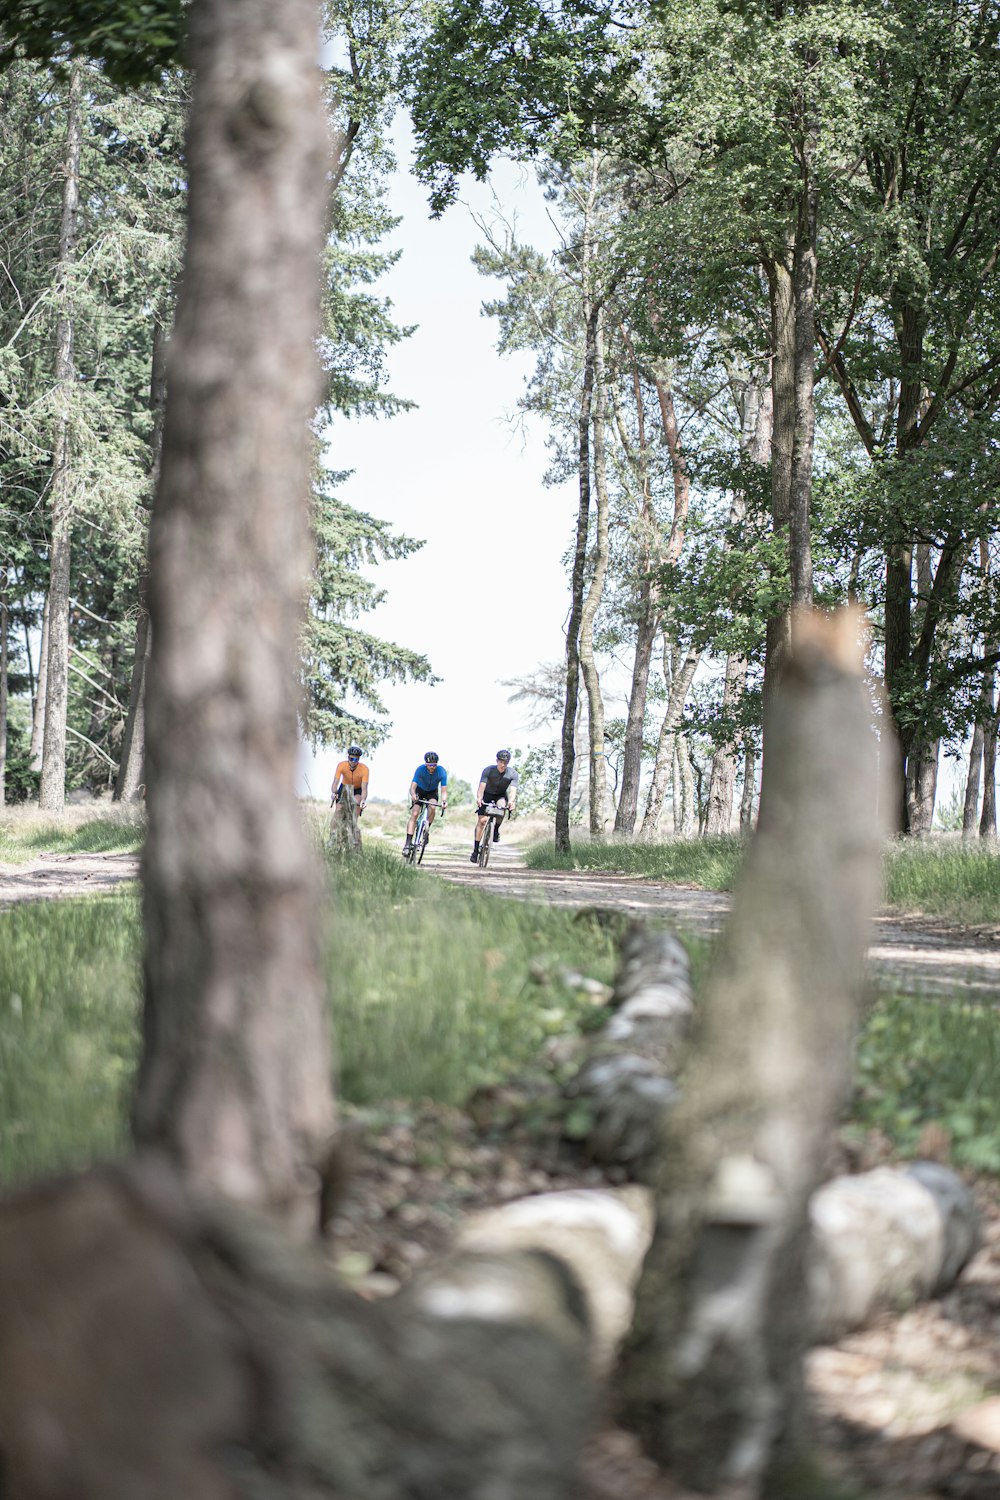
{"points": [[711, 863], [954, 880], [437, 990], [69, 975], [923, 1062], [944, 879], [24, 836], [434, 991]]}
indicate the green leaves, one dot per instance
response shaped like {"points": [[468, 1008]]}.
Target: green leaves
{"points": [[136, 40]]}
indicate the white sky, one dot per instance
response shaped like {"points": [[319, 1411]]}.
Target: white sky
{"points": [[456, 472]]}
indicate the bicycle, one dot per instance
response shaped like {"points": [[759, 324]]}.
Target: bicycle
{"points": [[421, 835], [494, 817]]}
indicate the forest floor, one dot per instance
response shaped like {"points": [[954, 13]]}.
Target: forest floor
{"points": [[887, 1399]]}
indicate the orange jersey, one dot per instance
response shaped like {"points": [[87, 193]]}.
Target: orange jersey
{"points": [[356, 776]]}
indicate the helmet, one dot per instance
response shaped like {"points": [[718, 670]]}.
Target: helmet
{"points": [[503, 755], [354, 752], [431, 758]]}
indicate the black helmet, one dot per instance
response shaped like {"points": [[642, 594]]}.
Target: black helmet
{"points": [[354, 752], [503, 755], [431, 758]]}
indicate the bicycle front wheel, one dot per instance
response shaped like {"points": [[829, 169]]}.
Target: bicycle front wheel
{"points": [[424, 840], [484, 844]]}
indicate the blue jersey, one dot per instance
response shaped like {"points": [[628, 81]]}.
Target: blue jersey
{"points": [[429, 778]]}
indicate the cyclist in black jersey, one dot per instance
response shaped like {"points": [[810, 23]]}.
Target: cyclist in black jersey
{"points": [[497, 785]]}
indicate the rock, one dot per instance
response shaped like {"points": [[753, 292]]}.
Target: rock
{"points": [[886, 1239]]}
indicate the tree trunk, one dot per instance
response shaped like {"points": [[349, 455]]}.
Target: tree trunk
{"points": [[756, 417], [591, 604], [52, 789], [970, 808], [131, 774], [564, 793], [38, 712], [647, 624], [234, 1083], [4, 660], [711, 1375], [921, 786], [781, 288], [688, 809], [749, 789], [988, 817], [680, 683]]}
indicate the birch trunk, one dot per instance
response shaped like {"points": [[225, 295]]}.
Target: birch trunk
{"points": [[234, 1083], [711, 1375], [749, 789], [571, 703], [592, 601], [756, 420], [131, 774], [970, 808], [988, 817], [4, 660], [52, 788], [647, 624], [680, 684], [41, 684]]}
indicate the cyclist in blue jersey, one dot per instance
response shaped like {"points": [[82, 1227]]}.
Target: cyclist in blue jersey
{"points": [[427, 780]]}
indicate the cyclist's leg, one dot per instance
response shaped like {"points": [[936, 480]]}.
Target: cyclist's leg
{"points": [[412, 824], [481, 822]]}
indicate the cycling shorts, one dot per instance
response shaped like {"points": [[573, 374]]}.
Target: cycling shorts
{"points": [[423, 796], [358, 793]]}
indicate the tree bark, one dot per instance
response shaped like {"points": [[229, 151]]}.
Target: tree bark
{"points": [[4, 660], [52, 788], [970, 808], [647, 625], [711, 1375], [781, 288], [234, 1083], [749, 789], [571, 702], [38, 714], [131, 775], [588, 665], [680, 684], [921, 786], [756, 420], [988, 817]]}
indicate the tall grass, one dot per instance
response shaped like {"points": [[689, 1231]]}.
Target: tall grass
{"points": [[26, 832], [712, 863], [436, 991], [68, 1033], [947, 879], [433, 991]]}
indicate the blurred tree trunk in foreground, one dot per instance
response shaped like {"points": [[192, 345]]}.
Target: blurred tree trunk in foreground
{"points": [[711, 1376], [234, 1083]]}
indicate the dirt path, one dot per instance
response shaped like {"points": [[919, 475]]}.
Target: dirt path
{"points": [[55, 877], [912, 954]]}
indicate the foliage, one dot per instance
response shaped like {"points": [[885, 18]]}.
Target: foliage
{"points": [[935, 1063], [25, 832], [945, 878], [136, 40]]}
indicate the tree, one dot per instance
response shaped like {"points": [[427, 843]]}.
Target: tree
{"points": [[235, 1078]]}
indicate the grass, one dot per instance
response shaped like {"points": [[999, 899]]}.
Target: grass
{"points": [[434, 991], [947, 878], [923, 1063], [26, 832], [69, 975], [441, 991], [939, 879]]}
